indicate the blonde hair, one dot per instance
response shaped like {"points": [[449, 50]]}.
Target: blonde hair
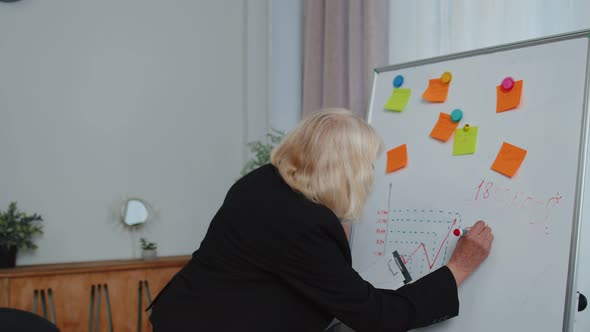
{"points": [[329, 159]]}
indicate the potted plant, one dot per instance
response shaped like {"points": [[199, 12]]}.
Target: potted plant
{"points": [[148, 249], [16, 232], [261, 151]]}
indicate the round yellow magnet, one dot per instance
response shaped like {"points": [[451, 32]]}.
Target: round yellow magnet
{"points": [[466, 127], [446, 77]]}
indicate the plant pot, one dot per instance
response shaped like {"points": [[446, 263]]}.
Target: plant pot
{"points": [[149, 254], [7, 257]]}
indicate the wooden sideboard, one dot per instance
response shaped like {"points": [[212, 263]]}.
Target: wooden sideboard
{"points": [[75, 294]]}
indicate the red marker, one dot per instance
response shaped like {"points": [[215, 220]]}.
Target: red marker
{"points": [[461, 231]]}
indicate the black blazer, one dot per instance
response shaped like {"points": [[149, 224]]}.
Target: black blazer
{"points": [[274, 261]]}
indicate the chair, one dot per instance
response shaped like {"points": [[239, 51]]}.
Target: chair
{"points": [[334, 326], [14, 320], [331, 329]]}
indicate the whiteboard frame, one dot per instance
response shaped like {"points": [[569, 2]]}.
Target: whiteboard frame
{"points": [[570, 299]]}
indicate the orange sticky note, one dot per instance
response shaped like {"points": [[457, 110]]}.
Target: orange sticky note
{"points": [[509, 159], [508, 100], [397, 158], [437, 91], [444, 127]]}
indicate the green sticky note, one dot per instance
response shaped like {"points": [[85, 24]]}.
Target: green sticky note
{"points": [[465, 141], [398, 100]]}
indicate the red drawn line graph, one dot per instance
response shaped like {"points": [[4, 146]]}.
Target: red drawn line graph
{"points": [[407, 258]]}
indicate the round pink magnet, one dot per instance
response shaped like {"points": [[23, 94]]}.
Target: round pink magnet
{"points": [[507, 83]]}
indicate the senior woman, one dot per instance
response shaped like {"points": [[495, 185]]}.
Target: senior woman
{"points": [[276, 257]]}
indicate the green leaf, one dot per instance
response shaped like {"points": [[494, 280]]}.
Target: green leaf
{"points": [[18, 228], [261, 151]]}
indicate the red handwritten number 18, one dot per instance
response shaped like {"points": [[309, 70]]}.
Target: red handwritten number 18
{"points": [[486, 193]]}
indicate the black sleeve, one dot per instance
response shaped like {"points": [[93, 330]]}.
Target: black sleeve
{"points": [[316, 267]]}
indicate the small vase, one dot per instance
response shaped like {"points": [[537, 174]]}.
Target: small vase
{"points": [[7, 257], [149, 254]]}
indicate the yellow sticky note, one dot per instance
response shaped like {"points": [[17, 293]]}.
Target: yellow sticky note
{"points": [[465, 141], [509, 159], [397, 158], [508, 100], [398, 100], [444, 127], [437, 91]]}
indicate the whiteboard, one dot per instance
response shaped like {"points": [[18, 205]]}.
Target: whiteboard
{"points": [[526, 283]]}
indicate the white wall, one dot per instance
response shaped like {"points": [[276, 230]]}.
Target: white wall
{"points": [[103, 100], [286, 63]]}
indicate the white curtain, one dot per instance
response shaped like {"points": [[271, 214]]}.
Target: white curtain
{"points": [[343, 40], [426, 28]]}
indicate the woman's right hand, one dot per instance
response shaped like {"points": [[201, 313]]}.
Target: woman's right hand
{"points": [[471, 250]]}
